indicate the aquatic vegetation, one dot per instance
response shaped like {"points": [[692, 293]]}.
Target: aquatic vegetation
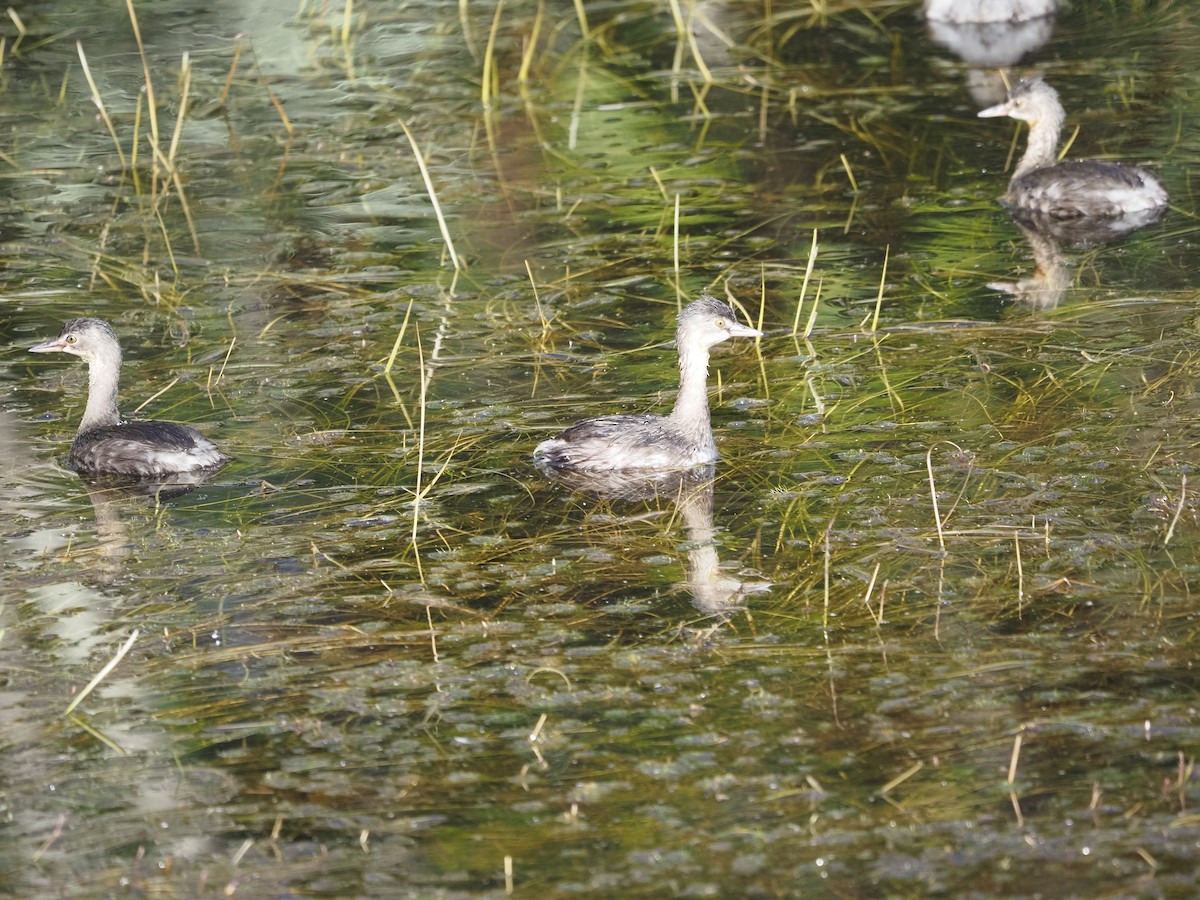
{"points": [[941, 575]]}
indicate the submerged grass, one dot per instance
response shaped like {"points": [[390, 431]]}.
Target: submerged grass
{"points": [[976, 519]]}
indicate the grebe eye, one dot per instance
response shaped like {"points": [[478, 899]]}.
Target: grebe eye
{"points": [[71, 339], [721, 322]]}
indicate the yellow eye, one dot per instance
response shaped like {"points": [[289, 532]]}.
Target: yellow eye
{"points": [[71, 339], [721, 322]]}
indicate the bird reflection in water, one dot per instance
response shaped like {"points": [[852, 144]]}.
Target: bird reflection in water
{"points": [[714, 592], [989, 36], [112, 496], [1045, 286], [1046, 235]]}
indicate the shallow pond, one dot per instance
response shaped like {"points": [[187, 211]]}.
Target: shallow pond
{"points": [[929, 631]]}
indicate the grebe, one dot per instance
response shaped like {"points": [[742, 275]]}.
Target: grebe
{"points": [[104, 443], [680, 440], [1068, 190]]}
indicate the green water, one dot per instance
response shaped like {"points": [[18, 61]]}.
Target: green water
{"points": [[931, 631]]}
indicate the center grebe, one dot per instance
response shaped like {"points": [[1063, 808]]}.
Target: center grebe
{"points": [[680, 440], [104, 443], [1075, 189]]}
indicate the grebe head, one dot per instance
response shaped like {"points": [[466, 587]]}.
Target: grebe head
{"points": [[1031, 100], [87, 338], [708, 321]]}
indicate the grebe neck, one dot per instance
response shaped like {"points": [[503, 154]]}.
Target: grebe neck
{"points": [[1042, 147], [104, 375], [691, 404]]}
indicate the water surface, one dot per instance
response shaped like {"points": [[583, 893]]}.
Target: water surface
{"points": [[929, 632]]}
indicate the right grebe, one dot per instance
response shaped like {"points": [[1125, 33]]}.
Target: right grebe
{"points": [[1068, 190], [106, 445], [679, 441]]}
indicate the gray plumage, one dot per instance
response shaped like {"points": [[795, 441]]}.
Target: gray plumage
{"points": [[680, 440], [104, 444], [1073, 189]]}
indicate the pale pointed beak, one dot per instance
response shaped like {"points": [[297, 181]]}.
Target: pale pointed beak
{"points": [[58, 345], [737, 329], [993, 112]]}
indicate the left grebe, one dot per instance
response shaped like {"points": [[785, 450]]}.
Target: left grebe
{"points": [[104, 443]]}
